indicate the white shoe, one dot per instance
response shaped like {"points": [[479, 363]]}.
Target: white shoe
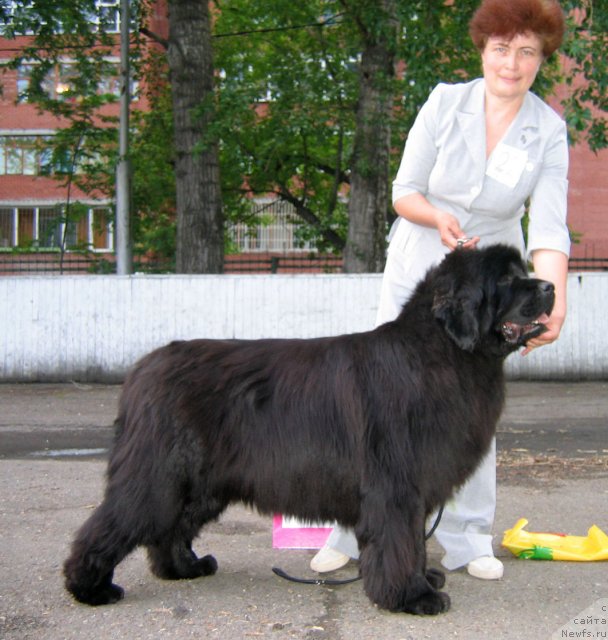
{"points": [[486, 568], [328, 559]]}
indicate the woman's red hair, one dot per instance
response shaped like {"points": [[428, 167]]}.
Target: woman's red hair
{"points": [[509, 18]]}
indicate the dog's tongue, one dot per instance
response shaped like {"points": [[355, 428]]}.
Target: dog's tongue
{"points": [[512, 331]]}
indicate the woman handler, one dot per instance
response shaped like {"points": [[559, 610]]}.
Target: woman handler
{"points": [[475, 154]]}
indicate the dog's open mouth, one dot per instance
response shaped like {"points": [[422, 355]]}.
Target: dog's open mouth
{"points": [[514, 333]]}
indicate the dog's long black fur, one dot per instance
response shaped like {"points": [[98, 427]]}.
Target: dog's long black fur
{"points": [[374, 430]]}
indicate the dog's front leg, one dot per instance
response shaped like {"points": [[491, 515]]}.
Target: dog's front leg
{"points": [[393, 558]]}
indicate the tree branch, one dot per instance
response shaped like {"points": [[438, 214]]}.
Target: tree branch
{"points": [[154, 36], [329, 235]]}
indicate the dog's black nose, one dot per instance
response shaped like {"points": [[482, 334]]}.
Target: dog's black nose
{"points": [[546, 287]]}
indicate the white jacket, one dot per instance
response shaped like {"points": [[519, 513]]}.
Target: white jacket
{"points": [[445, 160]]}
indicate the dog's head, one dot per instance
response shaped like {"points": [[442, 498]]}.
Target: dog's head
{"points": [[485, 299]]}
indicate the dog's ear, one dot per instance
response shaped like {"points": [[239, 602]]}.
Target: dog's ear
{"points": [[458, 313]]}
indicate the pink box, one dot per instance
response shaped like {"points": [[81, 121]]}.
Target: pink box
{"points": [[289, 533]]}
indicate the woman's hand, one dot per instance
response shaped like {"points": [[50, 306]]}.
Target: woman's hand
{"points": [[554, 327], [451, 233], [552, 266], [417, 209]]}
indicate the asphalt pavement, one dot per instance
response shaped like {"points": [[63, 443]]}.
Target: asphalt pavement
{"points": [[553, 470]]}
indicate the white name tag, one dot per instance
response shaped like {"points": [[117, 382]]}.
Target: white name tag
{"points": [[506, 164]]}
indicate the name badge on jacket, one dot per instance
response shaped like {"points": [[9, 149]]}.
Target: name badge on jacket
{"points": [[506, 164]]}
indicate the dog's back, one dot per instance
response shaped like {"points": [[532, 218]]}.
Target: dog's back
{"points": [[274, 423]]}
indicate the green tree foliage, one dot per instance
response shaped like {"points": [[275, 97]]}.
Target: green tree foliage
{"points": [[285, 114], [290, 81], [153, 162], [67, 30], [288, 85], [70, 75], [586, 71]]}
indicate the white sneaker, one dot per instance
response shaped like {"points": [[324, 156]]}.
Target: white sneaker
{"points": [[486, 568], [328, 559]]}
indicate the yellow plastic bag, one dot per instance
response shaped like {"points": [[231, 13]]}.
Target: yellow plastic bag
{"points": [[556, 546]]}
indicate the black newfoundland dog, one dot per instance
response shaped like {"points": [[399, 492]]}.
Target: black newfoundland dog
{"points": [[374, 430]]}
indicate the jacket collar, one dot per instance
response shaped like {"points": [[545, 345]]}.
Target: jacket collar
{"points": [[522, 133], [471, 119], [525, 129]]}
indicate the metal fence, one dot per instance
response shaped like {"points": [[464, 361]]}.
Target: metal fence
{"points": [[54, 263]]}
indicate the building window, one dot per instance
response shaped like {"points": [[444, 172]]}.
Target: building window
{"points": [[62, 82], [24, 72], [108, 15], [46, 228], [55, 84], [33, 155], [14, 160], [8, 228], [105, 14], [49, 229], [58, 83], [276, 231], [19, 156], [23, 155]]}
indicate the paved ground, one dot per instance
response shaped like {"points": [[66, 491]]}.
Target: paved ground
{"points": [[553, 448]]}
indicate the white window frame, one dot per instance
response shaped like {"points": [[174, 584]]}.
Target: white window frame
{"points": [[13, 241], [277, 236]]}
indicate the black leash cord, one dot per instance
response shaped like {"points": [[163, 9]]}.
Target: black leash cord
{"points": [[435, 524], [319, 581], [336, 583]]}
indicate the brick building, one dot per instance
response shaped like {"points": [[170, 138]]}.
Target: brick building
{"points": [[32, 201], [588, 207]]}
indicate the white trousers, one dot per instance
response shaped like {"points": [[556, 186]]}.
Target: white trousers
{"points": [[465, 528]]}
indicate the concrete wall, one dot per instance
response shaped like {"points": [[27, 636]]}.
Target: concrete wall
{"points": [[93, 328]]}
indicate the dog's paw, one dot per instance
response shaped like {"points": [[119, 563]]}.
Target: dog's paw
{"points": [[108, 594], [113, 594], [207, 565], [436, 578], [429, 604], [189, 566]]}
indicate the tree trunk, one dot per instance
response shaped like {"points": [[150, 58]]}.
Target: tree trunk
{"points": [[200, 237], [369, 187]]}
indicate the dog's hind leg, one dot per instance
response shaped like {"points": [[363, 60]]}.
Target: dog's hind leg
{"points": [[393, 560], [172, 557], [99, 546]]}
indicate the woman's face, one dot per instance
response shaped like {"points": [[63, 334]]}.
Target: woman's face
{"points": [[510, 66]]}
